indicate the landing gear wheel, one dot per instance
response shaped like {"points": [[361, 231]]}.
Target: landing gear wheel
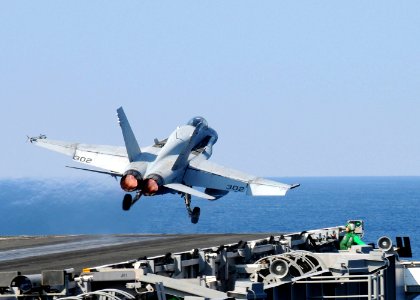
{"points": [[127, 202], [195, 215]]}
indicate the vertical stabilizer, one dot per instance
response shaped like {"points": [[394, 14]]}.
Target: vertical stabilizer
{"points": [[133, 149]]}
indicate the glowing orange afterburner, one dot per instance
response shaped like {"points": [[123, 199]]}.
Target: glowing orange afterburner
{"points": [[129, 183], [150, 186]]}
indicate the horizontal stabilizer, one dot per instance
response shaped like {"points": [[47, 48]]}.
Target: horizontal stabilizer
{"points": [[188, 190], [113, 174]]}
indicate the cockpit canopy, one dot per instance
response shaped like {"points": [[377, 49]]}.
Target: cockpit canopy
{"points": [[198, 122]]}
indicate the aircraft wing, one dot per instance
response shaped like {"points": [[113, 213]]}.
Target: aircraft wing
{"points": [[206, 174], [110, 158]]}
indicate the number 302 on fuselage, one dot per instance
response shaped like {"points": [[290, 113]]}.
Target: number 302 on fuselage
{"points": [[173, 165]]}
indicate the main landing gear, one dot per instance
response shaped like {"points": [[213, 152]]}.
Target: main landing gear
{"points": [[194, 213], [128, 200]]}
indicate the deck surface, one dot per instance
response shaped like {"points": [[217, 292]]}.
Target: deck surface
{"points": [[31, 255]]}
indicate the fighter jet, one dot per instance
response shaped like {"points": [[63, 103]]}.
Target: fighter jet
{"points": [[173, 165]]}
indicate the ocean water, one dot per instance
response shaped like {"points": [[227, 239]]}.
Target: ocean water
{"points": [[388, 205]]}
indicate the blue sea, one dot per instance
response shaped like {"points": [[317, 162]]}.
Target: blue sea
{"points": [[388, 205]]}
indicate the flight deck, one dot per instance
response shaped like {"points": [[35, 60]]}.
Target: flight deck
{"points": [[301, 265], [32, 254]]}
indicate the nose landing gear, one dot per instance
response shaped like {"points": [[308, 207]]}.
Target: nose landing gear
{"points": [[193, 213]]}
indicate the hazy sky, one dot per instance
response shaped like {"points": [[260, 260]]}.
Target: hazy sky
{"points": [[294, 88]]}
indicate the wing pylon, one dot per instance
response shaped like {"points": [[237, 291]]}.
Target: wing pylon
{"points": [[188, 190]]}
